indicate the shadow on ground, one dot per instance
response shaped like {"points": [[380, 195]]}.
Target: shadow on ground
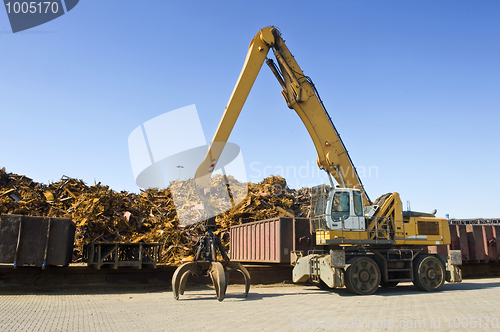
{"points": [[236, 292]]}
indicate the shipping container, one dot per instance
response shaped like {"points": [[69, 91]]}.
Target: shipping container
{"points": [[36, 241], [270, 240]]}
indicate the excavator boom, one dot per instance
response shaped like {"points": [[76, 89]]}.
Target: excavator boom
{"points": [[379, 243], [300, 94]]}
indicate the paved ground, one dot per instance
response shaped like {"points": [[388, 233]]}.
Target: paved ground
{"points": [[270, 308]]}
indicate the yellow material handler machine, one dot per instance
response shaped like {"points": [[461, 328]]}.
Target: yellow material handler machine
{"points": [[366, 244]]}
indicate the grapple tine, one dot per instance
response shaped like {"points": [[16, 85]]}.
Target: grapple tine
{"points": [[213, 276], [182, 284], [227, 279], [179, 273], [206, 263], [218, 275], [238, 267]]}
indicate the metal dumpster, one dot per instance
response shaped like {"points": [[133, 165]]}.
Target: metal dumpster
{"points": [[36, 241], [271, 240], [478, 249]]}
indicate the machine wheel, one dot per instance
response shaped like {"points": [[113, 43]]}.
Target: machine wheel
{"points": [[428, 273], [362, 276], [389, 284]]}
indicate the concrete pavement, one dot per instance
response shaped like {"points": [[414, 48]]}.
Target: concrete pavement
{"points": [[464, 306]]}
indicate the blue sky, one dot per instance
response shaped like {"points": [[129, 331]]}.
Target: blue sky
{"points": [[413, 87]]}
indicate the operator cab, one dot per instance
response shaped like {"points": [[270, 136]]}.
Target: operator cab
{"points": [[338, 209]]}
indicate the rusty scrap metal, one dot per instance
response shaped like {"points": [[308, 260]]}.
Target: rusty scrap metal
{"points": [[104, 215]]}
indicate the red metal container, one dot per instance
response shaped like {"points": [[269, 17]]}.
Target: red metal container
{"points": [[464, 243], [439, 250], [477, 243], [36, 241], [271, 240], [491, 245], [496, 233], [455, 237]]}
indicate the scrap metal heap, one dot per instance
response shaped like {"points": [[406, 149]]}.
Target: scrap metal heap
{"points": [[102, 214]]}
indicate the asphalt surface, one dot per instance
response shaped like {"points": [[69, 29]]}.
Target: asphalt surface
{"points": [[472, 305]]}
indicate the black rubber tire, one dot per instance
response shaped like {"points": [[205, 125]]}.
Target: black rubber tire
{"points": [[389, 284], [428, 273], [362, 277]]}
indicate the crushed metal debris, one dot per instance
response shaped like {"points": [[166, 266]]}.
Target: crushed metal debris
{"points": [[102, 214]]}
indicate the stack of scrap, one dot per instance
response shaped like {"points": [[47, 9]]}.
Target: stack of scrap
{"points": [[102, 214], [268, 199]]}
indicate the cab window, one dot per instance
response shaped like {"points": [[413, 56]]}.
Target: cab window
{"points": [[358, 203], [340, 206]]}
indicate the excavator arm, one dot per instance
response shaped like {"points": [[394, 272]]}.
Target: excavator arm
{"points": [[382, 225], [301, 95]]}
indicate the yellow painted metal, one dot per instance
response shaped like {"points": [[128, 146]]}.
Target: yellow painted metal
{"points": [[402, 231], [412, 233], [300, 95], [257, 53], [323, 236], [388, 223], [384, 218]]}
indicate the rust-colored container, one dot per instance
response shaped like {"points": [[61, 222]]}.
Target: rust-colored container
{"points": [[496, 233], [439, 250], [464, 242], [455, 237], [477, 243], [491, 244], [36, 241], [458, 235], [271, 240]]}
